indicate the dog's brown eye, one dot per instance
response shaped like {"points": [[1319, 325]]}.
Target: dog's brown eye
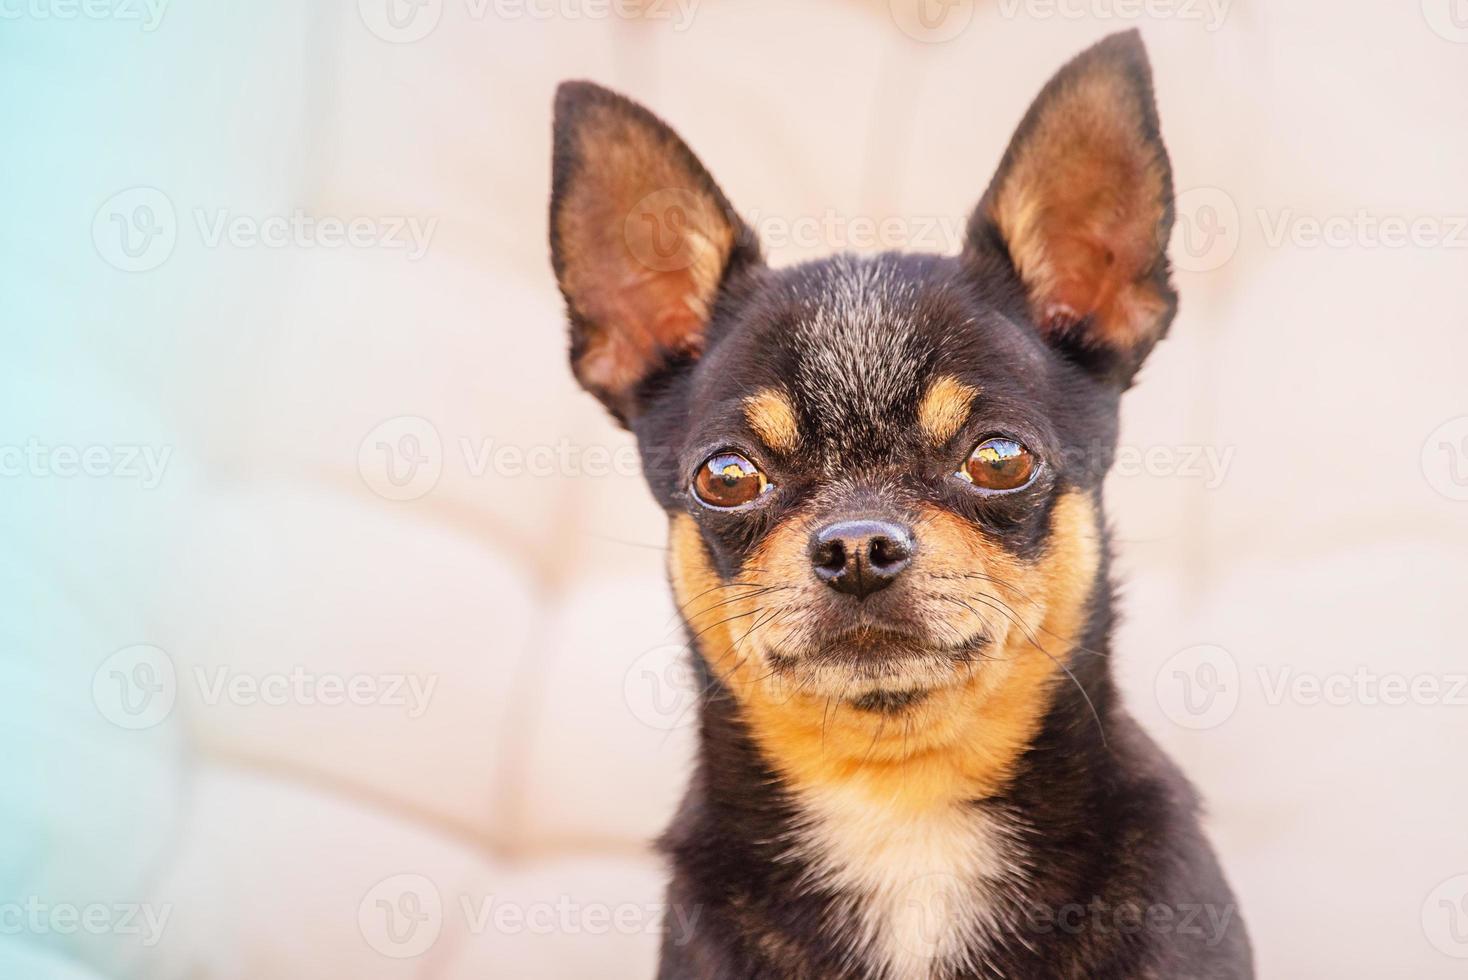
{"points": [[999, 464], [728, 480]]}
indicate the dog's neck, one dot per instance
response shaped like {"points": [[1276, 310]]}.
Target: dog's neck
{"points": [[923, 883]]}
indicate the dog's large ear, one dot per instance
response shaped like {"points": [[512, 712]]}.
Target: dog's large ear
{"points": [[1082, 208], [641, 240]]}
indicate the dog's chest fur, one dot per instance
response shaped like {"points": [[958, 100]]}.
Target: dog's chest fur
{"points": [[923, 892]]}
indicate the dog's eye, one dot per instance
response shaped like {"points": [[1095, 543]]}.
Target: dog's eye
{"points": [[999, 464], [728, 480]]}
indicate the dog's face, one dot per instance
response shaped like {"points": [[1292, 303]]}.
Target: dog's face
{"points": [[871, 459], [882, 473]]}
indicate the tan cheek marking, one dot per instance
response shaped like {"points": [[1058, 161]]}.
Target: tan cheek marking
{"points": [[716, 611], [772, 417], [964, 740], [945, 408]]}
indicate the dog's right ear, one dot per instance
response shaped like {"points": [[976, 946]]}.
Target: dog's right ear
{"points": [[641, 241]]}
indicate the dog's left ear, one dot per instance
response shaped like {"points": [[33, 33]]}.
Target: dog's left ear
{"points": [[642, 240], [1082, 208]]}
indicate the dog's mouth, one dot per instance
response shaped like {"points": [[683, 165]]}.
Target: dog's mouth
{"points": [[878, 648], [878, 669]]}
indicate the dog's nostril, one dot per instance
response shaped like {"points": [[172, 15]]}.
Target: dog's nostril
{"points": [[888, 552], [860, 557], [829, 556]]}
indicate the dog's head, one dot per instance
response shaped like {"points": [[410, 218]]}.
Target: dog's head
{"points": [[882, 473]]}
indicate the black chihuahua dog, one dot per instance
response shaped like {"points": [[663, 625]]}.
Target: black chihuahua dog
{"points": [[883, 477]]}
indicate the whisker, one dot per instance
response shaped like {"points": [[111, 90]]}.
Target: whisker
{"points": [[764, 590], [1100, 728], [678, 610], [677, 722], [722, 622], [1075, 647]]}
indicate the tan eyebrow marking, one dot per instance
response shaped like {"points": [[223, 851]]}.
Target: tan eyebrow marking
{"points": [[772, 417], [945, 408]]}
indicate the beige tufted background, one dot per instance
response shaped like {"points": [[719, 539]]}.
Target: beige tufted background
{"points": [[1292, 504]]}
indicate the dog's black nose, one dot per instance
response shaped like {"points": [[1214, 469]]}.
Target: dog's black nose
{"points": [[860, 557]]}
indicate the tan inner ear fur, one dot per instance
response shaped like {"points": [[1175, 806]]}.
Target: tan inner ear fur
{"points": [[1080, 209], [959, 743], [644, 245]]}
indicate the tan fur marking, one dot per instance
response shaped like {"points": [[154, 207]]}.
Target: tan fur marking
{"points": [[945, 407], [963, 740], [772, 417]]}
